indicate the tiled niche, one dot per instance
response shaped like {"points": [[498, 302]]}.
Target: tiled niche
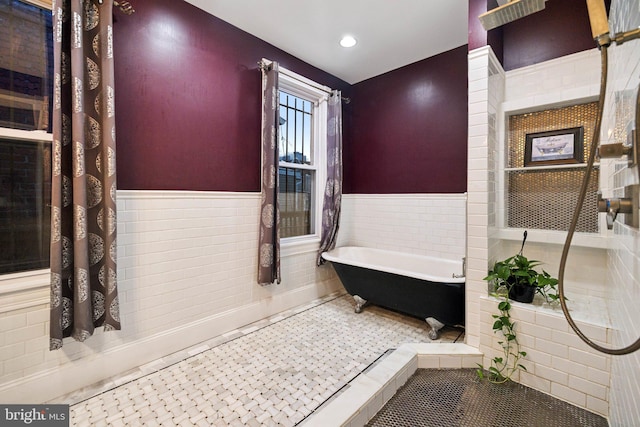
{"points": [[544, 197]]}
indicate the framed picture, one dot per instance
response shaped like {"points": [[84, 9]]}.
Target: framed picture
{"points": [[554, 147]]}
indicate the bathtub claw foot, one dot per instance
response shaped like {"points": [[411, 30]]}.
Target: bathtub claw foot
{"points": [[435, 325], [360, 303]]}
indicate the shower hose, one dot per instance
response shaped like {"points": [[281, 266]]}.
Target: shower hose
{"points": [[574, 220]]}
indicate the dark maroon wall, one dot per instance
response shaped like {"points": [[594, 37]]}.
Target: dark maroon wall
{"points": [[562, 28], [188, 102], [410, 129], [478, 37], [188, 99]]}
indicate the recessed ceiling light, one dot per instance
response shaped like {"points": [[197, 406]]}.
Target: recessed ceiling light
{"points": [[348, 41]]}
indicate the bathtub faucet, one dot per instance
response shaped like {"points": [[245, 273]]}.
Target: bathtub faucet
{"points": [[464, 269]]}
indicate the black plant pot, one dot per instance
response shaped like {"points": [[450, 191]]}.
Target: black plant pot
{"points": [[522, 293]]}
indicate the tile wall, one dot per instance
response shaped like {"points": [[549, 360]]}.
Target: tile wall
{"points": [[486, 89], [558, 363], [423, 224], [624, 256], [186, 273]]}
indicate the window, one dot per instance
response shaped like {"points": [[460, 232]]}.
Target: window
{"points": [[297, 167], [302, 161], [26, 46]]}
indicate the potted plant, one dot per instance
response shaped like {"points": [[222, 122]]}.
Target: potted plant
{"points": [[514, 278], [518, 278]]}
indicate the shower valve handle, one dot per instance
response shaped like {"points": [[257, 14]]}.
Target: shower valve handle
{"points": [[613, 207], [613, 150]]}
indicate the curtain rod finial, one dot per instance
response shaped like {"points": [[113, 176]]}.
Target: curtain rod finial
{"points": [[125, 7]]}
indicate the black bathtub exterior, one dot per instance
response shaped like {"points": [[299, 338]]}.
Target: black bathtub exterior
{"points": [[408, 295]]}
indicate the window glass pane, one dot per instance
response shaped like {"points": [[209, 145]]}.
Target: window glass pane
{"points": [[296, 185], [295, 129], [295, 202], [302, 156], [26, 49], [25, 196], [307, 146]]}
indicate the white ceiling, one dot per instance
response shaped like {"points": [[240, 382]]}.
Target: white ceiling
{"points": [[390, 33]]}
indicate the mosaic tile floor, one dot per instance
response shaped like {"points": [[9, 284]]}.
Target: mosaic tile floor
{"points": [[275, 372], [455, 397]]}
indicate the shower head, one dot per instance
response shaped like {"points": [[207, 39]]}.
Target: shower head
{"points": [[508, 12]]}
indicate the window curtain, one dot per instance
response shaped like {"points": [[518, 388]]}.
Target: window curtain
{"points": [[83, 212], [269, 239], [333, 188]]}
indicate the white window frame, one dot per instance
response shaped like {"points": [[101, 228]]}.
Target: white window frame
{"points": [[300, 86], [43, 4]]}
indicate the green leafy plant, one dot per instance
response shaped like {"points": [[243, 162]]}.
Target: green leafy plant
{"points": [[519, 271], [503, 367], [506, 277]]}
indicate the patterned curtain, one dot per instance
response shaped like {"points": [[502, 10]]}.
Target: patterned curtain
{"points": [[269, 243], [83, 212], [333, 188]]}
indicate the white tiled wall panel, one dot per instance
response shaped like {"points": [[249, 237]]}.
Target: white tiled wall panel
{"points": [[423, 224], [586, 270], [484, 101], [624, 257], [186, 273], [558, 362], [566, 79]]}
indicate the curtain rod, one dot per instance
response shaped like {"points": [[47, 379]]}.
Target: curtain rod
{"points": [[125, 7], [265, 63]]}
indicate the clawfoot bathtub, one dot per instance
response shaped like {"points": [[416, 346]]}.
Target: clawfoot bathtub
{"points": [[425, 287]]}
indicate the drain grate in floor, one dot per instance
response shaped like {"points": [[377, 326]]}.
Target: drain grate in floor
{"points": [[456, 398]]}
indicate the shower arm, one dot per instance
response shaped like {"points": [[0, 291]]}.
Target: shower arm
{"points": [[626, 36], [600, 26], [605, 39]]}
